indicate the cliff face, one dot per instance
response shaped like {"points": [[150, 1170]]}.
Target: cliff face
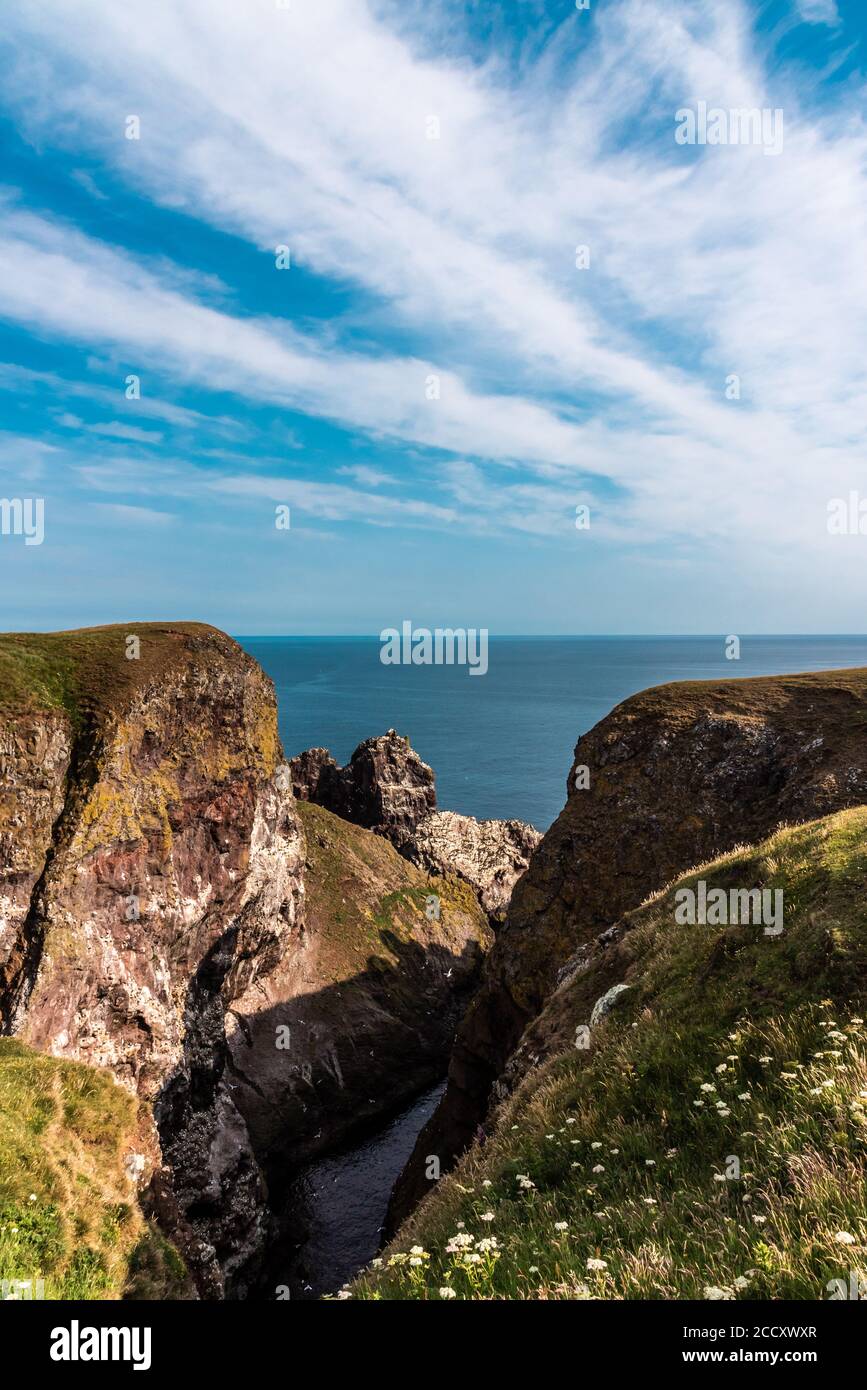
{"points": [[154, 872], [677, 775], [387, 788], [152, 868], [35, 753], [167, 832]]}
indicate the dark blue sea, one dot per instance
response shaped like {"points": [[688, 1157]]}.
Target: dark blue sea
{"points": [[501, 744]]}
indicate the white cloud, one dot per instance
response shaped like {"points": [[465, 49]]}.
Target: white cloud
{"points": [[137, 516], [24, 380], [116, 429], [703, 262], [59, 281], [368, 477], [818, 11], [333, 502]]}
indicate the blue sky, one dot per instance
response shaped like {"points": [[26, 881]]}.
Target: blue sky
{"points": [[412, 258]]}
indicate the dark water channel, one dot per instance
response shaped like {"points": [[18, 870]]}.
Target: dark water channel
{"points": [[338, 1206]]}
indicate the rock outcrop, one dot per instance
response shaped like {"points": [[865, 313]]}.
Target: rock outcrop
{"points": [[490, 855], [674, 776], [387, 788]]}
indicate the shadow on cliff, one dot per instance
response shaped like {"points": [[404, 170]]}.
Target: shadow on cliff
{"points": [[308, 1072], [306, 1075]]}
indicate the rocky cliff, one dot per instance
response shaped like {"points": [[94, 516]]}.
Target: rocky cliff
{"points": [[151, 867], [671, 778], [387, 787], [154, 871], [490, 855], [362, 1014]]}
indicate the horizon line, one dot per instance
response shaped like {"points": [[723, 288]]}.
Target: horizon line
{"points": [[547, 636]]}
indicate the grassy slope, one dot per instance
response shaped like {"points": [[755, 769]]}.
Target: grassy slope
{"points": [[616, 1146], [68, 1214], [351, 916], [86, 670]]}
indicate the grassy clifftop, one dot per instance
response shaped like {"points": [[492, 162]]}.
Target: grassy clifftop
{"points": [[68, 1210], [86, 670], [711, 1142]]}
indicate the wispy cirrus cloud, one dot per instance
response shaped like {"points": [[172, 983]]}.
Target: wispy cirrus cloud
{"points": [[454, 257], [64, 283]]}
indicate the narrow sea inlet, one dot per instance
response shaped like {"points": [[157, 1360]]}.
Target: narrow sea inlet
{"points": [[336, 1207]]}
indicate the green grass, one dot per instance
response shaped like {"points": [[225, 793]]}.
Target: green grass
{"points": [[362, 895], [68, 1214], [85, 671], [604, 1155]]}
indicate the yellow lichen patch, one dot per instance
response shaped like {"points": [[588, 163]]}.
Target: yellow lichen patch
{"points": [[266, 739], [106, 817]]}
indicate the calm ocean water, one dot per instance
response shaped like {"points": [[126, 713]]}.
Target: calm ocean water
{"points": [[501, 744]]}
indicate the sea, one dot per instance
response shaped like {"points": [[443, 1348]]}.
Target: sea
{"points": [[501, 743]]}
